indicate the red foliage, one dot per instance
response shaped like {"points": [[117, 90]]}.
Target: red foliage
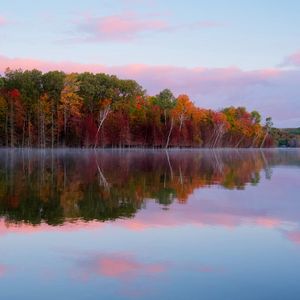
{"points": [[89, 130], [15, 93]]}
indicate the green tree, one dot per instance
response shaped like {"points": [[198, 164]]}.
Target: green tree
{"points": [[53, 83]]}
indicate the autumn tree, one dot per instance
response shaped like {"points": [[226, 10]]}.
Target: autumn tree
{"points": [[70, 105], [3, 121], [53, 83], [167, 101], [93, 110]]}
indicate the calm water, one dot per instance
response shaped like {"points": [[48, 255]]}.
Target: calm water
{"points": [[187, 224]]}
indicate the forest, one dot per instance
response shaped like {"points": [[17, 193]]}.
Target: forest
{"points": [[54, 109]]}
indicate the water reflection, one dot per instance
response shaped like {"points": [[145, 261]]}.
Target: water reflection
{"points": [[57, 186], [139, 224], [120, 266]]}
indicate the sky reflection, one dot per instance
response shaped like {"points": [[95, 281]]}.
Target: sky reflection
{"points": [[192, 223]]}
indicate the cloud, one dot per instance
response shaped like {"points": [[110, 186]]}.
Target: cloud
{"points": [[129, 26], [3, 21], [122, 28], [273, 92], [292, 60]]}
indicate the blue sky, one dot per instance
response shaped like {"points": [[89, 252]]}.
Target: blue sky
{"points": [[219, 52]]}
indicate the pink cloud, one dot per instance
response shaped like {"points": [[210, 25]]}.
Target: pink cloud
{"points": [[268, 222], [143, 71], [3, 21], [29, 64], [123, 27], [273, 92], [129, 26], [194, 77], [292, 60]]}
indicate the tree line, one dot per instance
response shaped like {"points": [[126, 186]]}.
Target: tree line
{"points": [[56, 109]]}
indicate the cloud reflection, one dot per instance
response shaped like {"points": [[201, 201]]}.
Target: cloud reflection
{"points": [[3, 270], [120, 266]]}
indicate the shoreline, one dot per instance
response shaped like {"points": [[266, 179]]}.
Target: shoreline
{"points": [[143, 149]]}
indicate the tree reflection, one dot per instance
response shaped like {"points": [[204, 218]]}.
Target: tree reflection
{"points": [[62, 185]]}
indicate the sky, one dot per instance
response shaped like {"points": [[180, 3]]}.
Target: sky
{"points": [[219, 52]]}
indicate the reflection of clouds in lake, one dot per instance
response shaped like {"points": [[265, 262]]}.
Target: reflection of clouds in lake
{"points": [[118, 239], [3, 270], [119, 266], [127, 269], [130, 270], [294, 236]]}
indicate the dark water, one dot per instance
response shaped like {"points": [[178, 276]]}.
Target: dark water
{"points": [[187, 224]]}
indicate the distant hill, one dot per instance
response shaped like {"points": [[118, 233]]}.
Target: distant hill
{"points": [[293, 131], [286, 137]]}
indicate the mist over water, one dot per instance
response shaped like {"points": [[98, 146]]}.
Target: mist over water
{"points": [[149, 224]]}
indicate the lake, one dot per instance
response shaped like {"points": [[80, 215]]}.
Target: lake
{"points": [[150, 224]]}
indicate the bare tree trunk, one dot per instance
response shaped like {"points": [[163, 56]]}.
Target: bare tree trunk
{"points": [[102, 116], [170, 132], [65, 126], [268, 170], [264, 139], [170, 166], [6, 130], [39, 139], [219, 163], [180, 176], [212, 138], [238, 143], [52, 128], [11, 125], [57, 134], [29, 132], [40, 129], [23, 135], [102, 180], [181, 120], [220, 133], [254, 141], [43, 132]]}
